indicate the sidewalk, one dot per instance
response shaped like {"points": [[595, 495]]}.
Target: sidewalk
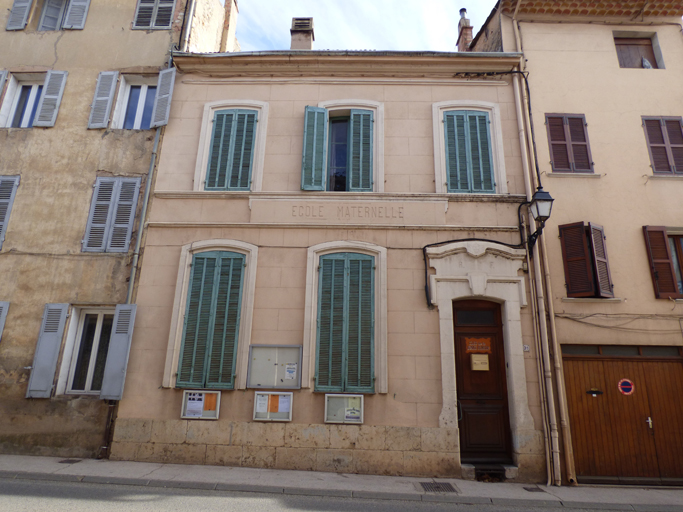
{"points": [[339, 485]]}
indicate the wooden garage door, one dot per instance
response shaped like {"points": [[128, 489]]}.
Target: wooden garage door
{"points": [[634, 437]]}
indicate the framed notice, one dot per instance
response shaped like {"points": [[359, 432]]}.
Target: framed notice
{"points": [[274, 367], [200, 405], [272, 406], [344, 409]]}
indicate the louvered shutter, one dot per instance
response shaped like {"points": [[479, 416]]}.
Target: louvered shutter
{"points": [[654, 133], [314, 157], [144, 14], [99, 219], [360, 151], [220, 152], [581, 158], [661, 262], [226, 307], [123, 216], [242, 143], [360, 377], [8, 190], [3, 79], [18, 16], [104, 97], [457, 151], [332, 323], [4, 308], [601, 264], [76, 13], [51, 17], [481, 161], [559, 146], [48, 107], [162, 101], [675, 136], [578, 271], [163, 15], [47, 351], [117, 354]]}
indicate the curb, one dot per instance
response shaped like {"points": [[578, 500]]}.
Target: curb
{"points": [[337, 493]]}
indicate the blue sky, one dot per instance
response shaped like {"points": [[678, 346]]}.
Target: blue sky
{"points": [[416, 25]]}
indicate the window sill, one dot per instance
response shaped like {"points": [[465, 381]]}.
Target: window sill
{"points": [[591, 299], [665, 177], [573, 175]]}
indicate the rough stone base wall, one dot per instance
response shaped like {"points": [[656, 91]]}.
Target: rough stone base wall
{"points": [[338, 448]]}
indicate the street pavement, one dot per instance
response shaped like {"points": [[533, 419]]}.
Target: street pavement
{"points": [[311, 483]]}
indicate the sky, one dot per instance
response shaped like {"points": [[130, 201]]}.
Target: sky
{"points": [[402, 25]]}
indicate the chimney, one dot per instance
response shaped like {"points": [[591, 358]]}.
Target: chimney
{"points": [[302, 34], [464, 32]]}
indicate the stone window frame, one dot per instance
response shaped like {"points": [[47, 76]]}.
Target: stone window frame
{"points": [[204, 148], [311, 309], [175, 336], [497, 146]]}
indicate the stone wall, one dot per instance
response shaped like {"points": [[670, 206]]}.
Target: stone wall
{"points": [[338, 448]]}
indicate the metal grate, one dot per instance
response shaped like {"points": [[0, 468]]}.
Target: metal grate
{"points": [[69, 461], [533, 489], [437, 487]]}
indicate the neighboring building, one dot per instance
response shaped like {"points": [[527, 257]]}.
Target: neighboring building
{"points": [[297, 195], [80, 91], [605, 81]]}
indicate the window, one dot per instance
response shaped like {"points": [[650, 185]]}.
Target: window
{"points": [[586, 267], [208, 344], [8, 190], [154, 14], [338, 150], [232, 146], [345, 325], [468, 148], [665, 254], [635, 52], [95, 351], [112, 215], [664, 137], [4, 308], [54, 15], [32, 99], [136, 103], [568, 141]]}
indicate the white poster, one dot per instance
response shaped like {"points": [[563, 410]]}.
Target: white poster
{"points": [[290, 371], [195, 405], [261, 403], [285, 403]]}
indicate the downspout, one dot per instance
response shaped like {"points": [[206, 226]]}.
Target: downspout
{"points": [[187, 25]]}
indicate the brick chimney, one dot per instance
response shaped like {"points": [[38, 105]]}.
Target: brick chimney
{"points": [[464, 32], [302, 34]]}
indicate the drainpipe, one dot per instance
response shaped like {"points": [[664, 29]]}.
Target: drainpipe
{"points": [[187, 25]]}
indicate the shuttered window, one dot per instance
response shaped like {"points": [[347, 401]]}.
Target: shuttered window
{"points": [[112, 215], [4, 308], [8, 191], [586, 267], [664, 136], [345, 337], [212, 321], [154, 14], [18, 16], [635, 52], [568, 141], [231, 154], [469, 159], [665, 255], [103, 100]]}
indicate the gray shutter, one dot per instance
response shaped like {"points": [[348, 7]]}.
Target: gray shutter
{"points": [[18, 16], [124, 206], [119, 349], [162, 102], [4, 308], [53, 88], [3, 79], [8, 190], [99, 219], [76, 14], [164, 13], [144, 13], [51, 17], [47, 351], [104, 97], [313, 161]]}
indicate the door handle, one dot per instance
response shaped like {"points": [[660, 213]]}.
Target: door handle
{"points": [[649, 421]]}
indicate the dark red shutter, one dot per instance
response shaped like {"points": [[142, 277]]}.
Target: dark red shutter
{"points": [[675, 134], [657, 145], [579, 139], [661, 262], [578, 270], [559, 150], [600, 262]]}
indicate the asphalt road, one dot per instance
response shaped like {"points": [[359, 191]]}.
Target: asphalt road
{"points": [[48, 496]]}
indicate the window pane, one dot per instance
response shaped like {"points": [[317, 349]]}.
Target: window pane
{"points": [[21, 106], [102, 350], [660, 351], [84, 352], [476, 317], [132, 108], [339, 136], [676, 261], [580, 350], [34, 107], [619, 350], [149, 105]]}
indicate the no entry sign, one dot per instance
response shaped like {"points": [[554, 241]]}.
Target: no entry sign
{"points": [[626, 387]]}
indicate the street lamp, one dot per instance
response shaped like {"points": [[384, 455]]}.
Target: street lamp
{"points": [[541, 205]]}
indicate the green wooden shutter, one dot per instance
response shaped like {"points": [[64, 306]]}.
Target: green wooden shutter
{"points": [[481, 160], [331, 323], [314, 159], [457, 148], [243, 150], [360, 151], [231, 154], [360, 376]]}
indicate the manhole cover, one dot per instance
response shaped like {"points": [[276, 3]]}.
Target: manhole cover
{"points": [[533, 489], [437, 487], [69, 461]]}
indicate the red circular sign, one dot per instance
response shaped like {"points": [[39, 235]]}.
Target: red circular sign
{"points": [[626, 387]]}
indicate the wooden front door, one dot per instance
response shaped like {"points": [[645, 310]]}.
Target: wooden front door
{"points": [[632, 436], [481, 383]]}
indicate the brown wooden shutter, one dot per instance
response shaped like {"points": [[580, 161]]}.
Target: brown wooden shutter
{"points": [[600, 262], [578, 270], [559, 147], [579, 139], [657, 145], [661, 262]]}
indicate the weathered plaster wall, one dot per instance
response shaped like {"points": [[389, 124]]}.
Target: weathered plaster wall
{"points": [[491, 40], [207, 26]]}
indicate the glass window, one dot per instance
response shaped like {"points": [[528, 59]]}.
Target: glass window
{"points": [[90, 354], [339, 147], [139, 107], [580, 350], [476, 317], [26, 105], [660, 351], [620, 350]]}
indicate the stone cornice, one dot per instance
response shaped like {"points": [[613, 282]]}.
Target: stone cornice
{"points": [[634, 10]]}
